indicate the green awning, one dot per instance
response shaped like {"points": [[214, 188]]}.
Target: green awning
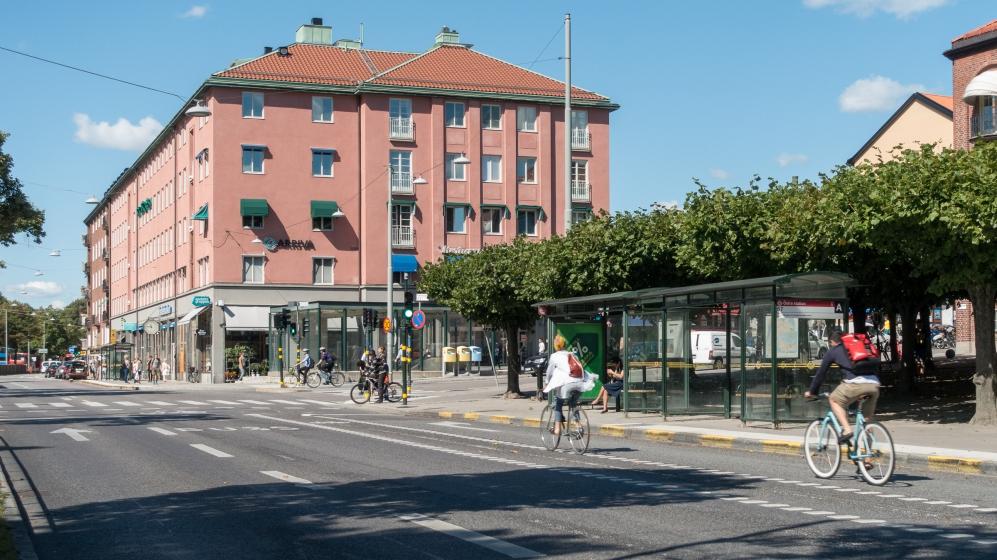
{"points": [[503, 207], [582, 205], [456, 204], [324, 208], [402, 202], [539, 209], [254, 207], [201, 214]]}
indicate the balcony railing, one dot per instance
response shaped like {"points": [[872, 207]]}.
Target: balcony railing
{"points": [[580, 191], [401, 183], [402, 236], [983, 123], [581, 139], [105, 254], [401, 128]]}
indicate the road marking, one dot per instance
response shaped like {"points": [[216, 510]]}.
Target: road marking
{"points": [[986, 510], [26, 405], [843, 517], [163, 431], [161, 403], [127, 403], [449, 424], [195, 403], [818, 513], [73, 433], [188, 429], [285, 477], [456, 531], [282, 401], [920, 530], [895, 496], [985, 542], [868, 493], [798, 509], [775, 505], [324, 403], [963, 506], [913, 499], [224, 402], [868, 521], [60, 405], [252, 402], [957, 536], [809, 484], [209, 450], [846, 489], [938, 503], [94, 404]]}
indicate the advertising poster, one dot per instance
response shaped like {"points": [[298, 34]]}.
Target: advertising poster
{"points": [[588, 342]]}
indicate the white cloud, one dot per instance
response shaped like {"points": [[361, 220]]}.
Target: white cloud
{"points": [[786, 159], [720, 174], [37, 288], [195, 12], [122, 135], [875, 93], [901, 9]]}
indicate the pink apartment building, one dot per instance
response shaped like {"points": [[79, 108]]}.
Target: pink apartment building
{"points": [[283, 193]]}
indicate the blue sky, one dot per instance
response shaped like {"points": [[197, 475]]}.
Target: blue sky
{"points": [[716, 90]]}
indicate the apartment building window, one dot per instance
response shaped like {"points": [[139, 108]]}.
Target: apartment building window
{"points": [[252, 105], [322, 223], [580, 215], [526, 119], [252, 269], [401, 171], [526, 169], [252, 222], [322, 270], [491, 117], [252, 159], [579, 180], [202, 164], [400, 119], [203, 272], [526, 222], [456, 218], [491, 169], [402, 234], [580, 130], [322, 109], [453, 114], [322, 162], [491, 220], [455, 171]]}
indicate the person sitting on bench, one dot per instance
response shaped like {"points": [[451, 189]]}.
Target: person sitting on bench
{"points": [[613, 385]]}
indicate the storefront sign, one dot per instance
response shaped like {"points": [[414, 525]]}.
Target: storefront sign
{"points": [[271, 244], [809, 308], [165, 309], [201, 301], [201, 332], [447, 250]]}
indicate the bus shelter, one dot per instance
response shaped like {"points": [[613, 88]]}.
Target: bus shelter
{"points": [[743, 349]]}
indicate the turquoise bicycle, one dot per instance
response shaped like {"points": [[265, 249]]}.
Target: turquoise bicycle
{"points": [[871, 449]]}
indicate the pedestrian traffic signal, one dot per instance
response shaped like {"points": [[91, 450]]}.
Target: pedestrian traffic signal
{"points": [[305, 324], [278, 321], [409, 302], [292, 328]]}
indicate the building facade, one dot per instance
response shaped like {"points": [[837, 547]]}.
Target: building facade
{"points": [[316, 156]]}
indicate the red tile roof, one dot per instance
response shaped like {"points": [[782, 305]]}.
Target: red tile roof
{"points": [[943, 100], [444, 68], [992, 26]]}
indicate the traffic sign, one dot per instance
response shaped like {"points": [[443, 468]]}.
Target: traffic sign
{"points": [[72, 350], [45, 350], [386, 325], [418, 319]]}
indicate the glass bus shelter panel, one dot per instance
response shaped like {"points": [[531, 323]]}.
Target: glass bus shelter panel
{"points": [[644, 363], [355, 338], [797, 365], [614, 336], [697, 381], [428, 343], [332, 334], [755, 387]]}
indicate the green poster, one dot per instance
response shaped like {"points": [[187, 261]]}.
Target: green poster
{"points": [[588, 342]]}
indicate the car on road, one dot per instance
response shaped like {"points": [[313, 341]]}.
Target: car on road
{"points": [[63, 370], [49, 367], [77, 369]]}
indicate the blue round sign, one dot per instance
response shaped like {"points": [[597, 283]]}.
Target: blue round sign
{"points": [[418, 319]]}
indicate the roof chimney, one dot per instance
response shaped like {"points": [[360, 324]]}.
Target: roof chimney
{"points": [[267, 50], [447, 36], [314, 33]]}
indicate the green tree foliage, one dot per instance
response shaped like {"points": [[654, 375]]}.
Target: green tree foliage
{"points": [[57, 329], [17, 214]]}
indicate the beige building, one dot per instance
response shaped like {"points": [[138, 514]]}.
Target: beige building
{"points": [[925, 118]]}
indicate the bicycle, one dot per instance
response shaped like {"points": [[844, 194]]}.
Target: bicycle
{"points": [[368, 384], [335, 376], [873, 451], [296, 378], [576, 426]]}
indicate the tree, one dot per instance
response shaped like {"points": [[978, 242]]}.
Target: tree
{"points": [[17, 214]]}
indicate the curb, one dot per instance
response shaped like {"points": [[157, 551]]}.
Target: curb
{"points": [[17, 522], [110, 385], [960, 465]]}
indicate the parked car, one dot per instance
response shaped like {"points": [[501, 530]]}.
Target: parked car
{"points": [[76, 369], [63, 369], [535, 365], [49, 367]]}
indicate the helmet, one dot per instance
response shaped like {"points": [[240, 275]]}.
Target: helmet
{"points": [[322, 349], [305, 350]]}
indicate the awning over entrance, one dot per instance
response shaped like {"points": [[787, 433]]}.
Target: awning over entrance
{"points": [[246, 318], [254, 207], [983, 85], [190, 315], [404, 263], [324, 208], [201, 214]]}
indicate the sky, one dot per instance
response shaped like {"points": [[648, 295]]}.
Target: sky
{"points": [[718, 90]]}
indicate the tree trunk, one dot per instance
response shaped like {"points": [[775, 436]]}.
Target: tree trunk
{"points": [[894, 355], [924, 322], [982, 297], [908, 318], [513, 368], [858, 312]]}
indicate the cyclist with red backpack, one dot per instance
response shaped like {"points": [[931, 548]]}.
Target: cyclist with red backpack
{"points": [[859, 363]]}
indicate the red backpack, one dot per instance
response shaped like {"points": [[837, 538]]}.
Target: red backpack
{"points": [[859, 348], [575, 368]]}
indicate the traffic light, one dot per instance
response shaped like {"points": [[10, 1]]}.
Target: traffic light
{"points": [[305, 323], [409, 302], [292, 328], [278, 322]]}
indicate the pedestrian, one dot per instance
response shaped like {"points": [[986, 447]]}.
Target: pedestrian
{"points": [[242, 365], [541, 346], [167, 371], [137, 367], [124, 371], [157, 369]]}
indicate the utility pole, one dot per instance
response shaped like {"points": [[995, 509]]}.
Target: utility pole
{"points": [[567, 122], [390, 272]]}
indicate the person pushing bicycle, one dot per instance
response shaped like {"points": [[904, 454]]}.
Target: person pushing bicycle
{"points": [[857, 383]]}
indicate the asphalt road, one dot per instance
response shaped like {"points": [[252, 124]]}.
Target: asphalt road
{"points": [[244, 474]]}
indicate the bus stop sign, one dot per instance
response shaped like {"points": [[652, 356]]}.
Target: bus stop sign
{"points": [[418, 319]]}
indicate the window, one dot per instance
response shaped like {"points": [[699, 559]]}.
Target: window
{"points": [[322, 109], [579, 130], [400, 119], [252, 222], [456, 217], [401, 171], [322, 270], [526, 169], [491, 117], [491, 169], [984, 120], [453, 114], [526, 222], [491, 221], [252, 269], [252, 159], [322, 163], [402, 234], [252, 105], [526, 119], [322, 223], [579, 180], [455, 171], [202, 164], [579, 215]]}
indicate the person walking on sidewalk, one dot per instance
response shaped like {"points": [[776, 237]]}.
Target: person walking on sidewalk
{"points": [[242, 365], [157, 369], [124, 371], [137, 367], [541, 346]]}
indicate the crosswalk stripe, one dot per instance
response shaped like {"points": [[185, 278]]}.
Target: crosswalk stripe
{"points": [[285, 477], [284, 402], [60, 405], [161, 403], [209, 450], [225, 402], [318, 402], [163, 431], [26, 405], [94, 404], [252, 402], [126, 403], [195, 403]]}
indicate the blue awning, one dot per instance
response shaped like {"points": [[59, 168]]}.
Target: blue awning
{"points": [[130, 327], [404, 263]]}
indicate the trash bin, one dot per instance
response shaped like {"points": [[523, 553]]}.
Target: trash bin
{"points": [[475, 353], [449, 354], [463, 354]]}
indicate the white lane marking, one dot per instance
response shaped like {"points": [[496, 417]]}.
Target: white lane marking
{"points": [[94, 404], [787, 481], [986, 543], [502, 547], [827, 487], [195, 403], [938, 503], [60, 405], [224, 402], [963, 506], [868, 521], [846, 489], [775, 505], [821, 512], [891, 495], [843, 517], [920, 530], [868, 493], [162, 403], [252, 402], [285, 477], [460, 425], [798, 509], [209, 450], [73, 433], [126, 403], [809, 484], [986, 510], [957, 536], [754, 502], [282, 401], [734, 498], [26, 405], [163, 431], [189, 429], [323, 403], [913, 499]]}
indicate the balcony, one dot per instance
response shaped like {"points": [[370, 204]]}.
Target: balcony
{"points": [[86, 242], [401, 129], [105, 224], [580, 191], [581, 139], [983, 123], [401, 183], [402, 236], [105, 286]]}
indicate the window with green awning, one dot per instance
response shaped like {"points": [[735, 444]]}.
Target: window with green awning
{"points": [[201, 214], [538, 209], [502, 207], [254, 207], [324, 208]]}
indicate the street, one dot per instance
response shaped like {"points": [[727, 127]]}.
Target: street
{"points": [[241, 473]]}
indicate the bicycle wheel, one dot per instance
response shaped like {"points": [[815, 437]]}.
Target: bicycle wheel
{"points": [[360, 393], [875, 454], [393, 392], [313, 379], [337, 378], [821, 449], [578, 430], [547, 435]]}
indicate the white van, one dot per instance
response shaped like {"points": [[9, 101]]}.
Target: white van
{"points": [[710, 347]]}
